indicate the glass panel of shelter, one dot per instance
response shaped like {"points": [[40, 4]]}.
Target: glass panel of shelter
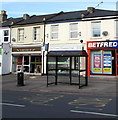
{"points": [[51, 70], [62, 68]]}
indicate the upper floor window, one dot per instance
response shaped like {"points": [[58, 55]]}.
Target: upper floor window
{"points": [[96, 29], [54, 32], [73, 30], [5, 35], [20, 35], [36, 33], [116, 28]]}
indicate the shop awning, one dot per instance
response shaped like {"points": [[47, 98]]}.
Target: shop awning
{"points": [[67, 53]]}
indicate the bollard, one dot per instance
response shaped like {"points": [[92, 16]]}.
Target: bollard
{"points": [[20, 79]]}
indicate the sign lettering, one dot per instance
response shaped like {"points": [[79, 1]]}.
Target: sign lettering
{"points": [[28, 49], [102, 44]]}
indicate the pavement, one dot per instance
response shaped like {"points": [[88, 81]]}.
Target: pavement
{"points": [[37, 83]]}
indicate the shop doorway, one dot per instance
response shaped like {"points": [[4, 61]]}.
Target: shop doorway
{"points": [[35, 64], [103, 62]]}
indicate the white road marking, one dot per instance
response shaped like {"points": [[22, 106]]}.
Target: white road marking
{"points": [[16, 105], [112, 115]]}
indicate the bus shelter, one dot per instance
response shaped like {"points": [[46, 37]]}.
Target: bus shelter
{"points": [[68, 67]]}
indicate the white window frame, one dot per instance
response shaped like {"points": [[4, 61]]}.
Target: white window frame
{"points": [[55, 32], [8, 36], [92, 31], [22, 35], [116, 30], [35, 34], [73, 31]]}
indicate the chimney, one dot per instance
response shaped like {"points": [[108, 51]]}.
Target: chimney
{"points": [[26, 16], [90, 9], [3, 16]]}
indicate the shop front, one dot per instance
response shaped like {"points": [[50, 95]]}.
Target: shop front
{"points": [[27, 59], [103, 58]]}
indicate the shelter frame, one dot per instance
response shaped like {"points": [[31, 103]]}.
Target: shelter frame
{"points": [[70, 68]]}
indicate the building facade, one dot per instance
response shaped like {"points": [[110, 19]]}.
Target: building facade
{"points": [[5, 42], [27, 44], [93, 30], [26, 48], [72, 31], [5, 49]]}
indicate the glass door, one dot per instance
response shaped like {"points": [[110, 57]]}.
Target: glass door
{"points": [[35, 64], [26, 66]]}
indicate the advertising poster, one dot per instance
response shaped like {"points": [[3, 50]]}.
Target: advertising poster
{"points": [[97, 63], [107, 63]]}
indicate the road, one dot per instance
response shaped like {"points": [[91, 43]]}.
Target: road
{"points": [[24, 104]]}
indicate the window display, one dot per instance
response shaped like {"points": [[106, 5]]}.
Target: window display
{"points": [[27, 64], [101, 62]]}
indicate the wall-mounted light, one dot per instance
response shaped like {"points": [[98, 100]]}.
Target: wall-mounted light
{"points": [[81, 41]]}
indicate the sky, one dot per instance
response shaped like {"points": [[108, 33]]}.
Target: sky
{"points": [[16, 8]]}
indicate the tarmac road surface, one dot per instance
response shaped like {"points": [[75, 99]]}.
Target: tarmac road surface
{"points": [[25, 104]]}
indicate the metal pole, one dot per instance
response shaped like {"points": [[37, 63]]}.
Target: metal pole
{"points": [[86, 70], [79, 72], [47, 69], [44, 22], [70, 71], [56, 71]]}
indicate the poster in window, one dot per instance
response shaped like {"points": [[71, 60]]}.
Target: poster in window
{"points": [[107, 63], [97, 63]]}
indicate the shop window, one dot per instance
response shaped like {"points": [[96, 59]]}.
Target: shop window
{"points": [[103, 62], [27, 64], [20, 35], [96, 29], [36, 33], [74, 30], [6, 35], [54, 32], [17, 64]]}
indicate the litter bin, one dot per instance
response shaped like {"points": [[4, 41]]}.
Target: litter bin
{"points": [[20, 79]]}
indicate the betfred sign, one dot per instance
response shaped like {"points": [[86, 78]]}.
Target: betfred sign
{"points": [[102, 44]]}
